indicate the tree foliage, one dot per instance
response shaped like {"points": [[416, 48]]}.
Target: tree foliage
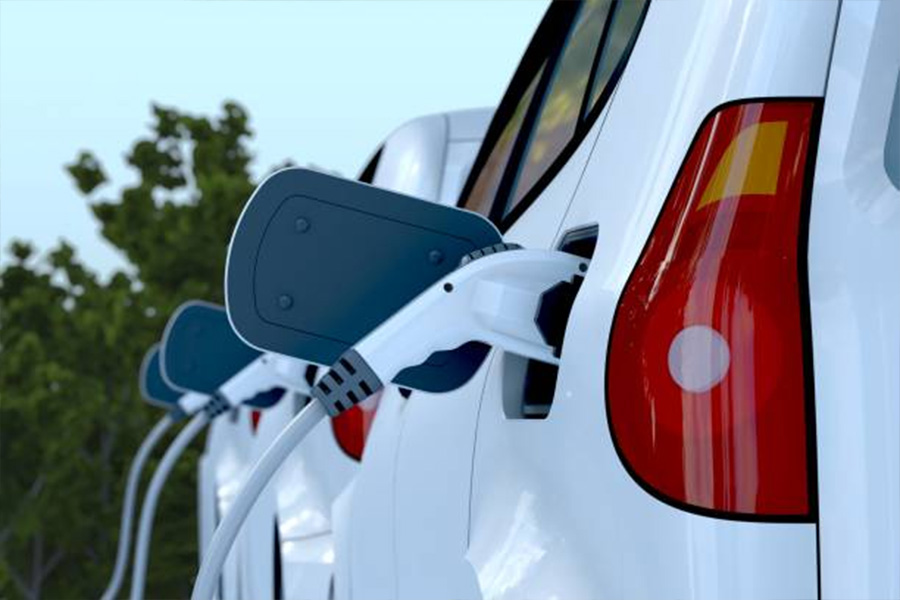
{"points": [[70, 413]]}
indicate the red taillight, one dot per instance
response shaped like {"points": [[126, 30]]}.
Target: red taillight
{"points": [[707, 397], [351, 427]]}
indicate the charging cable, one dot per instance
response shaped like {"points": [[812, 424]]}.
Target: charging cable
{"points": [[243, 387], [262, 472], [134, 476], [493, 297], [148, 510]]}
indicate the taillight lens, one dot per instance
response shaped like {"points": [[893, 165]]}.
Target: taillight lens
{"points": [[707, 396], [351, 427]]}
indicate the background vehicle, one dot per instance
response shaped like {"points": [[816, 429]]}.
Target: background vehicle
{"points": [[725, 419], [428, 157]]}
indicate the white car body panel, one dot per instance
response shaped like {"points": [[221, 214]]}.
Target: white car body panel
{"points": [[433, 503], [309, 481], [586, 528], [223, 467], [855, 294]]}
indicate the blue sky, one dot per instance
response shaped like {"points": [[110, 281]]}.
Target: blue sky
{"points": [[323, 82]]}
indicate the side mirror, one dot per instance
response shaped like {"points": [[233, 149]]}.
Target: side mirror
{"points": [[200, 351], [153, 387], [317, 262]]}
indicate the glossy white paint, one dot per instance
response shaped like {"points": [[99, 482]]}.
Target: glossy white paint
{"points": [[412, 158], [222, 466], [256, 544], [307, 484], [430, 157], [468, 125], [855, 295], [585, 529], [206, 500]]}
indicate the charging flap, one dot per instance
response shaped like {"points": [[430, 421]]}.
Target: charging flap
{"points": [[316, 262], [200, 350], [152, 386]]}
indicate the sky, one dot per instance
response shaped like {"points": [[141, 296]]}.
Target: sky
{"points": [[323, 82]]}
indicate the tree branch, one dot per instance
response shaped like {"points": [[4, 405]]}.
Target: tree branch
{"points": [[51, 565], [37, 561], [35, 489], [16, 578]]}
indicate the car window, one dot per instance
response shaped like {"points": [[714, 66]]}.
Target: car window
{"points": [[623, 26], [561, 106], [892, 143], [368, 172], [539, 125], [481, 197]]}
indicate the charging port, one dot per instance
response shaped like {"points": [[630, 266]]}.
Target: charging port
{"points": [[529, 384]]}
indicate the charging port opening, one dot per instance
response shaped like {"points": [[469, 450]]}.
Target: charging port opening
{"points": [[528, 385]]}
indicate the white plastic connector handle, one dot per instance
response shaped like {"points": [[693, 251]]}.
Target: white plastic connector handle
{"points": [[134, 476], [191, 402], [265, 372], [494, 300], [148, 510]]}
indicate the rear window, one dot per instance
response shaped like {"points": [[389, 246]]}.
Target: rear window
{"points": [[482, 195], [892, 147], [561, 106], [565, 78], [368, 172]]}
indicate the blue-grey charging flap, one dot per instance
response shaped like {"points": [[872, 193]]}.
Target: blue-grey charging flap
{"points": [[200, 350], [152, 386], [316, 262]]}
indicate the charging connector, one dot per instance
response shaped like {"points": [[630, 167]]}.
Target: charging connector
{"points": [[263, 373], [493, 297]]}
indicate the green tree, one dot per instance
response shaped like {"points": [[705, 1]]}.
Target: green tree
{"points": [[70, 412]]}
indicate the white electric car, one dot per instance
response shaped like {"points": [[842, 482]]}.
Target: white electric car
{"points": [[725, 418], [285, 549]]}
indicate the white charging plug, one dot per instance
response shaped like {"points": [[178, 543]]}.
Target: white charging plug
{"points": [[267, 371], [191, 402], [493, 299]]}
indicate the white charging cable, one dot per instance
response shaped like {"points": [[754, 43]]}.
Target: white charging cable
{"points": [[134, 477], [493, 297], [148, 510], [266, 370], [262, 472]]}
